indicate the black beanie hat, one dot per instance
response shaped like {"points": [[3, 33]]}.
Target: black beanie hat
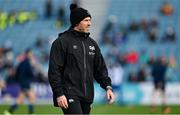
{"points": [[77, 14]]}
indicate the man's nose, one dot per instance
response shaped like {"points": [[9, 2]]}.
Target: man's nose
{"points": [[89, 23]]}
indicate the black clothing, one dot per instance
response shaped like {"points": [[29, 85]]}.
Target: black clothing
{"points": [[77, 14], [24, 74], [159, 75], [77, 107], [159, 85], [75, 60]]}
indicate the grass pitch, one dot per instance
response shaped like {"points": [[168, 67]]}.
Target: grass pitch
{"points": [[96, 109]]}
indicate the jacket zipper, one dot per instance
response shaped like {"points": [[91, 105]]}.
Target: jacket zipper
{"points": [[84, 82]]}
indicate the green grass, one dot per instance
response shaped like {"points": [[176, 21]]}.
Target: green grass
{"points": [[96, 109]]}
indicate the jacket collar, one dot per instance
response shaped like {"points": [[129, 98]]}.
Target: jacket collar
{"points": [[79, 34]]}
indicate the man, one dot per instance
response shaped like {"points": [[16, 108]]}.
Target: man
{"points": [[75, 61], [24, 77], [159, 78]]}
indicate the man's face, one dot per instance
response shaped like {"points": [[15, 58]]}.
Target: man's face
{"points": [[84, 25]]}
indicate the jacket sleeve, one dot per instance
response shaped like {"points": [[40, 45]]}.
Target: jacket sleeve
{"points": [[100, 70], [56, 66]]}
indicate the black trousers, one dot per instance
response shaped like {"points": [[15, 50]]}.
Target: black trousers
{"points": [[76, 106]]}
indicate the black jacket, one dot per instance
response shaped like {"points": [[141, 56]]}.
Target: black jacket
{"points": [[75, 60], [24, 73]]}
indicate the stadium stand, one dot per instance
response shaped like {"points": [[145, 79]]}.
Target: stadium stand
{"points": [[127, 12], [126, 41]]}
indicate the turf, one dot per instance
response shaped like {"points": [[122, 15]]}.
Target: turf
{"points": [[96, 109]]}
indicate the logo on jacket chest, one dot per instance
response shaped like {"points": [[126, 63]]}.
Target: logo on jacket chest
{"points": [[74, 46], [91, 50]]}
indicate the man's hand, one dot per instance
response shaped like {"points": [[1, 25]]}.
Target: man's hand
{"points": [[110, 96], [62, 102]]}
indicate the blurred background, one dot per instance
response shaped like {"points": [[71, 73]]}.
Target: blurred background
{"points": [[132, 34]]}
